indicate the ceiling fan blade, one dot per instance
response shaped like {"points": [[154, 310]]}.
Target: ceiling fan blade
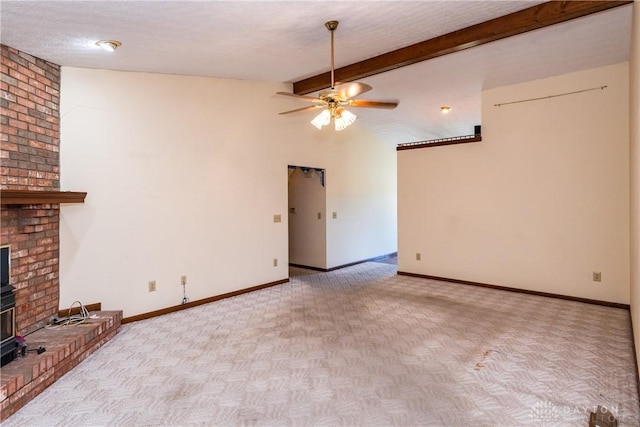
{"points": [[372, 104], [297, 110], [293, 95], [349, 90]]}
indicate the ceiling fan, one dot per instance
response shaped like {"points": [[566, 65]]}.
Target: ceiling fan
{"points": [[334, 100]]}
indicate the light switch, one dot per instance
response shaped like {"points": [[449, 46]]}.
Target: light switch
{"points": [[277, 218]]}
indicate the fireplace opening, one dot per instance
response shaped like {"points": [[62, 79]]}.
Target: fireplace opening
{"points": [[7, 309]]}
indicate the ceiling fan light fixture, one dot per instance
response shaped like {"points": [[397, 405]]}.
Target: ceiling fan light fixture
{"points": [[109, 45], [322, 119], [343, 119]]}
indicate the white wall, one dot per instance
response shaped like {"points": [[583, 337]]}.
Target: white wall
{"points": [[634, 156], [367, 207], [184, 175], [539, 204]]}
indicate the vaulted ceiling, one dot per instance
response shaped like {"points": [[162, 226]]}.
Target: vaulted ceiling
{"points": [[286, 41]]}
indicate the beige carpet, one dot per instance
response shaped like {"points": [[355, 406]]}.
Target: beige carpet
{"points": [[357, 346]]}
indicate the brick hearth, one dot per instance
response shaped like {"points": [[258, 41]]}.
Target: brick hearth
{"points": [[66, 346]]}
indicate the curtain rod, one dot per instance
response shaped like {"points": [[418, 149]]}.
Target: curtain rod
{"points": [[550, 96]]}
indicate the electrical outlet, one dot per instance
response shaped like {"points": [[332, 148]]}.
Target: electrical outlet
{"points": [[597, 276], [152, 285], [183, 280], [418, 256], [319, 215], [275, 262], [334, 215]]}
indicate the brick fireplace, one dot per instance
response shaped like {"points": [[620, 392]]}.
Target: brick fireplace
{"points": [[29, 154], [30, 200]]}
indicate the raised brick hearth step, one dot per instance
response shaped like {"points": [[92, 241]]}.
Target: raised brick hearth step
{"points": [[66, 347]]}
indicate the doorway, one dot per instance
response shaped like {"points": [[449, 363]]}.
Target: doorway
{"points": [[307, 222]]}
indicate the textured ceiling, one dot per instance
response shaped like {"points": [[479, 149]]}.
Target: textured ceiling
{"points": [[286, 42]]}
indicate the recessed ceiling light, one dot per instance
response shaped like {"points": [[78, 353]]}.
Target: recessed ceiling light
{"points": [[445, 109], [109, 45]]}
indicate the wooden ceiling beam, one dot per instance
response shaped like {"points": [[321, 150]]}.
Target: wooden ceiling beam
{"points": [[532, 18]]}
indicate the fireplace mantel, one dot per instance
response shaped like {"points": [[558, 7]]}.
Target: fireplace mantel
{"points": [[32, 197]]}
